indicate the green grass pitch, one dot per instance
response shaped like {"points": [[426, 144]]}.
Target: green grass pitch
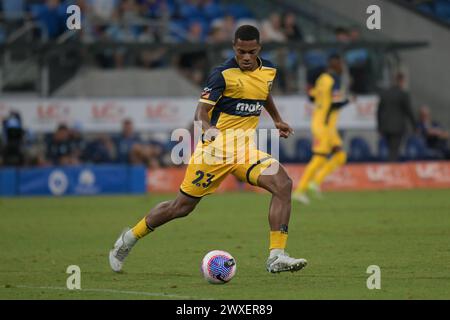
{"points": [[405, 233]]}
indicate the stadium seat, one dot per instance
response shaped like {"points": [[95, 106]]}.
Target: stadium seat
{"points": [[238, 11], [442, 9], [359, 150], [425, 8], [190, 11], [36, 10], [303, 151], [416, 149], [283, 157], [383, 151], [213, 11]]}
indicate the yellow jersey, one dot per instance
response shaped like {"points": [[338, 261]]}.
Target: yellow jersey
{"points": [[329, 97], [238, 96]]}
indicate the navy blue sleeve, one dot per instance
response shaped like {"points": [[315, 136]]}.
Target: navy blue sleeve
{"points": [[338, 101], [215, 86]]}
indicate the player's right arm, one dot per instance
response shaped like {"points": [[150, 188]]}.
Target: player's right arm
{"points": [[211, 95], [202, 116]]}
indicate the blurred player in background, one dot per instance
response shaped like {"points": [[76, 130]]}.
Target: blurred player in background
{"points": [[329, 97], [233, 99]]}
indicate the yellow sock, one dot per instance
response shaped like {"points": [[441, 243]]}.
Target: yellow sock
{"points": [[141, 229], [313, 166], [337, 160], [278, 240]]}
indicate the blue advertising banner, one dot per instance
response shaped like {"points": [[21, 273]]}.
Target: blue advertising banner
{"points": [[82, 180], [8, 182]]}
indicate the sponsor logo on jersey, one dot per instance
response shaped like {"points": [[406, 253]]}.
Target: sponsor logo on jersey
{"points": [[249, 109], [206, 93]]}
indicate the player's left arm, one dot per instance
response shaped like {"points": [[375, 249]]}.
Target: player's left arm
{"points": [[338, 101], [285, 129], [340, 104]]}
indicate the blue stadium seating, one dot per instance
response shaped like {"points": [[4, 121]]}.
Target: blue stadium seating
{"points": [[238, 11], [283, 156], [437, 8], [359, 150], [383, 151], [442, 9], [303, 151], [416, 149]]}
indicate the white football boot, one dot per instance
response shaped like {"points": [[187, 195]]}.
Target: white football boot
{"points": [[119, 252], [281, 262], [315, 188], [301, 197]]}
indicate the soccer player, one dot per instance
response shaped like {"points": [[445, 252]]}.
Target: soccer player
{"points": [[329, 97], [234, 97]]}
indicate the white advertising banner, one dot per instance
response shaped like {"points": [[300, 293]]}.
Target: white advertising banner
{"points": [[164, 114]]}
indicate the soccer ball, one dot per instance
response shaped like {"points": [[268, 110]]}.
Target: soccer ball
{"points": [[218, 267]]}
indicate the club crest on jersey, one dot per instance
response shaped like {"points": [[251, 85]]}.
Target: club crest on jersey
{"points": [[249, 109], [206, 92], [269, 85]]}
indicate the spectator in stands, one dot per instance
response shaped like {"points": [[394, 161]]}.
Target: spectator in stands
{"points": [[155, 9], [272, 29], [227, 25], [216, 35], [195, 33], [13, 140], [146, 154], [62, 150], [315, 61], [101, 150], [357, 60], [77, 141], [103, 11], [211, 9], [291, 29], [153, 58], [342, 35], [130, 149], [125, 141], [190, 9], [394, 111], [435, 137], [13, 10], [53, 18], [194, 64], [97, 15], [292, 32]]}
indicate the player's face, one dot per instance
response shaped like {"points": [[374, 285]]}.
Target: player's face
{"points": [[337, 65], [247, 54]]}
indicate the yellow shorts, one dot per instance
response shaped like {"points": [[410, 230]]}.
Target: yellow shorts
{"points": [[203, 178], [325, 139]]}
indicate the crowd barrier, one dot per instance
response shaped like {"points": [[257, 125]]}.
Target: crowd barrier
{"points": [[79, 180], [351, 177]]}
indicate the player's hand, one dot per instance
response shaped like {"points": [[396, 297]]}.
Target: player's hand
{"points": [[210, 134], [285, 129]]}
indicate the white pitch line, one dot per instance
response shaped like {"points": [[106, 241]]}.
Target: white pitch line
{"points": [[138, 293]]}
